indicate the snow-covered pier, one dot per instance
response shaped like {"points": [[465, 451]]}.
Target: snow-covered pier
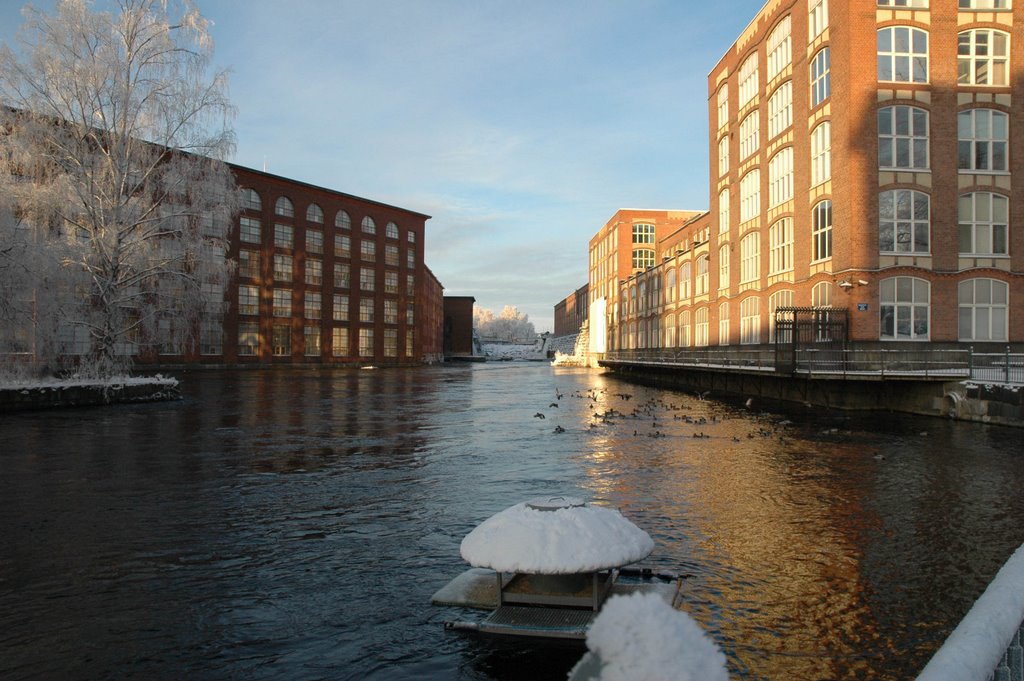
{"points": [[84, 393]]}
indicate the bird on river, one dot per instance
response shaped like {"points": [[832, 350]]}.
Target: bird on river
{"points": [[538, 415]]}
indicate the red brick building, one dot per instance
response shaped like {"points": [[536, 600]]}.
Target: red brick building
{"points": [[865, 155], [571, 312]]}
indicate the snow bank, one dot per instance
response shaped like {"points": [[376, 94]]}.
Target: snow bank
{"points": [[976, 646], [643, 638], [18, 383], [574, 537]]}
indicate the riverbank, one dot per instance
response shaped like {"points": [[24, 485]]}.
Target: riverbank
{"points": [[56, 393]]}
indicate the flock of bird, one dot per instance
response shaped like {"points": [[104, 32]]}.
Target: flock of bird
{"points": [[650, 418]]}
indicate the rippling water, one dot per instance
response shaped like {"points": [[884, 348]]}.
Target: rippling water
{"points": [[293, 524]]}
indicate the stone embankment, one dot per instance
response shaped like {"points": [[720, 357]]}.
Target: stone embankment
{"points": [[57, 394]]}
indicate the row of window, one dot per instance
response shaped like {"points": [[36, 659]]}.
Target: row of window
{"points": [[983, 57], [904, 314], [251, 232], [281, 341], [963, 4], [283, 207], [248, 305]]}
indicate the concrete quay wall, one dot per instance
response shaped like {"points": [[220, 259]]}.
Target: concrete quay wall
{"points": [[84, 395]]}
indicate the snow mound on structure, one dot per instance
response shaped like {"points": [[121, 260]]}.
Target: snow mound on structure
{"points": [[574, 537], [642, 638]]}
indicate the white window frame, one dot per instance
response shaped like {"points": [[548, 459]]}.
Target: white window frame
{"points": [[685, 280], [723, 267], [723, 211], [750, 320], [907, 301], [750, 134], [783, 298], [780, 177], [723, 323], [723, 155], [780, 109], [700, 327], [701, 282], [985, 4], [910, 228], [978, 62], [821, 231], [984, 220], [750, 258], [909, 4], [817, 18], [981, 147], [779, 48], [749, 84], [821, 153], [821, 76], [723, 106], [983, 306], [750, 195], [902, 54], [780, 247], [900, 137]]}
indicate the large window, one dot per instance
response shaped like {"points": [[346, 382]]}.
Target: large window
{"points": [[368, 250], [284, 236], [685, 280], [723, 155], [750, 134], [342, 220], [369, 226], [748, 80], [284, 207], [342, 246], [248, 300], [985, 4], [248, 263], [821, 231], [314, 275], [915, 4], [902, 55], [780, 109], [821, 153], [723, 106], [750, 258], [315, 213], [366, 310], [367, 279], [339, 341], [821, 78], [342, 275], [643, 258], [904, 217], [684, 329], [780, 239], [311, 341], [723, 211], [700, 332], [366, 342], [750, 195], [248, 339], [817, 17], [314, 241], [282, 267], [282, 302], [904, 307], [391, 230], [983, 57], [983, 309], [984, 224], [249, 230], [723, 266], [251, 200], [780, 177], [750, 320], [700, 282], [339, 311], [643, 233], [312, 303], [983, 140], [723, 323], [903, 137], [779, 48], [775, 301]]}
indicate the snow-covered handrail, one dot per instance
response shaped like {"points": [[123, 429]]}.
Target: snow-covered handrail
{"points": [[980, 643]]}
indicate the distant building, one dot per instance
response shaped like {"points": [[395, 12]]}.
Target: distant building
{"points": [[571, 312], [458, 326]]}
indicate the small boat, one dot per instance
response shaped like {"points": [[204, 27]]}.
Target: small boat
{"points": [[544, 568]]}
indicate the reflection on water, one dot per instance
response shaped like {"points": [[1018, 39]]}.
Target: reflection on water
{"points": [[293, 524]]}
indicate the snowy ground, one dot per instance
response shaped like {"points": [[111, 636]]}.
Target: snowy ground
{"points": [[512, 351]]}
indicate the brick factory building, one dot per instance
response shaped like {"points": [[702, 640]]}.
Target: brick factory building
{"points": [[862, 159], [323, 277]]}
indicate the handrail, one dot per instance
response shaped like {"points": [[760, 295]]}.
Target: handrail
{"points": [[980, 643]]}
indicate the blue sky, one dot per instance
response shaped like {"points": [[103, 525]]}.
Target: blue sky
{"points": [[521, 126]]}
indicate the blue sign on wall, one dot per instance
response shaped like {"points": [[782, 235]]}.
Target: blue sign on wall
{"points": [[862, 307]]}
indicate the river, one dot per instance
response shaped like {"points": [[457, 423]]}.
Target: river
{"points": [[294, 523]]}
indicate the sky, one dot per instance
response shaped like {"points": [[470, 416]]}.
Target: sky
{"points": [[520, 126]]}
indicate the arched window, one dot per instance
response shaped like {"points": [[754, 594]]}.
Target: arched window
{"points": [[983, 140], [391, 230], [700, 334], [779, 48], [723, 211], [750, 195], [284, 207], [670, 286], [700, 287], [780, 177], [775, 301], [780, 110], [983, 305], [251, 200], [903, 137], [723, 266], [821, 153], [904, 308], [904, 216], [369, 226], [780, 246], [315, 213], [750, 320], [342, 220], [821, 78], [685, 277], [670, 331], [748, 79], [821, 230], [723, 323], [750, 258], [983, 57], [984, 224], [750, 134], [902, 54], [821, 297]]}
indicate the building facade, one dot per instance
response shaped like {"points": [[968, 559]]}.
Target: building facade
{"points": [[322, 277], [458, 326], [571, 312], [864, 155]]}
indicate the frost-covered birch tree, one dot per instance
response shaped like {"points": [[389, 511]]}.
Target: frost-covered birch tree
{"points": [[113, 135], [510, 325]]}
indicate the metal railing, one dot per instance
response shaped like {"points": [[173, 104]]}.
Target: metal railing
{"points": [[852, 363], [986, 645]]}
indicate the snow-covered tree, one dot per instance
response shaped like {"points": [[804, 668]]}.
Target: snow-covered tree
{"points": [[510, 325], [113, 132]]}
